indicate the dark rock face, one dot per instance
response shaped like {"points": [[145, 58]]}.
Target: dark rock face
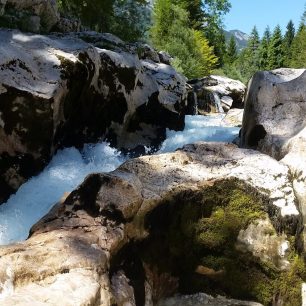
{"points": [[59, 91]]}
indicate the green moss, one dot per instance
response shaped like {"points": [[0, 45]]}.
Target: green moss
{"points": [[289, 284], [201, 229]]}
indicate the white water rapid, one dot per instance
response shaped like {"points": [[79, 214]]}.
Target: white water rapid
{"points": [[69, 167]]}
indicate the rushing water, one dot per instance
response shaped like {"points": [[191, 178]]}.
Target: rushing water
{"points": [[69, 167]]}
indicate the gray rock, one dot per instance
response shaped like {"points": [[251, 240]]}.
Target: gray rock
{"points": [[30, 15], [86, 246], [209, 88], [165, 57], [226, 103], [61, 91], [274, 121], [233, 117]]}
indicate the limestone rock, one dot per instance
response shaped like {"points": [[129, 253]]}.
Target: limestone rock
{"points": [[262, 241], [274, 121], [233, 117], [226, 103], [212, 88], [70, 89], [97, 247]]}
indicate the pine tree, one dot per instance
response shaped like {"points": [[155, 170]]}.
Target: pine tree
{"points": [[194, 9], [264, 49], [252, 52], [248, 61], [298, 46], [298, 49], [290, 33], [287, 42], [275, 51], [131, 19], [254, 41], [232, 53]]}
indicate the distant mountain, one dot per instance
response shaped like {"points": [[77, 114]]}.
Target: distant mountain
{"points": [[240, 37]]}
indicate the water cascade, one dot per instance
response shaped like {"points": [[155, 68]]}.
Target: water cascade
{"points": [[69, 167], [217, 102]]}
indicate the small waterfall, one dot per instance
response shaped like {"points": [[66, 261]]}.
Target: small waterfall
{"points": [[192, 104], [217, 102]]}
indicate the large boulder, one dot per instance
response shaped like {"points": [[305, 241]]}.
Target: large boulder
{"points": [[66, 90], [275, 121], [218, 93], [209, 218], [29, 15]]}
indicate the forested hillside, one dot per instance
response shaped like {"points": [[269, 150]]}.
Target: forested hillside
{"points": [[193, 34]]}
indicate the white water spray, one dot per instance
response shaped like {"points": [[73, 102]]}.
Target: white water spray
{"points": [[69, 167]]}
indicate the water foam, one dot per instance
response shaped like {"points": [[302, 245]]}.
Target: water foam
{"points": [[69, 167], [66, 171], [199, 128]]}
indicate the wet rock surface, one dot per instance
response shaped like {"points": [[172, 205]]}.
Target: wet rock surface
{"points": [[161, 225], [67, 90], [218, 94]]}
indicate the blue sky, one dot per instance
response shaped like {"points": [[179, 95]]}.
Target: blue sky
{"points": [[244, 14]]}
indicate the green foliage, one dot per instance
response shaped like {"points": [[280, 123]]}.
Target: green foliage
{"points": [[94, 14], [275, 50], [204, 53], [264, 50], [171, 32], [298, 49], [247, 62], [131, 19], [194, 9], [215, 35], [253, 42], [252, 50], [128, 19], [231, 52], [213, 27], [287, 43], [290, 283]]}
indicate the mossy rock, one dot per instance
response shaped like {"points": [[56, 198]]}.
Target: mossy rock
{"points": [[200, 229]]}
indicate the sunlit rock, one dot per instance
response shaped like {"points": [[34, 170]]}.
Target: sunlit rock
{"points": [[218, 93], [72, 89], [275, 122], [233, 117], [164, 225]]}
